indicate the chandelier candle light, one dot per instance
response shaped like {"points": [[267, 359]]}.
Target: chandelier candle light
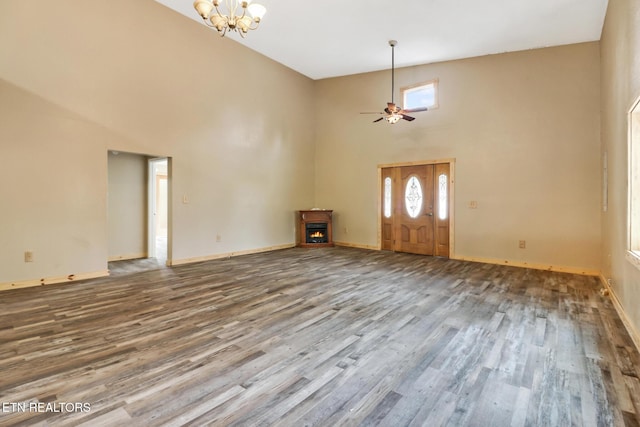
{"points": [[233, 20]]}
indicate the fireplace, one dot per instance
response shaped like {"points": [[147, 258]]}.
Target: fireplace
{"points": [[316, 232], [314, 228]]}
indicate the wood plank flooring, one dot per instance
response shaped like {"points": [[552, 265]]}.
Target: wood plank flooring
{"points": [[326, 337]]}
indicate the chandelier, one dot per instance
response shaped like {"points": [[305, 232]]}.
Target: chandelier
{"points": [[233, 19]]}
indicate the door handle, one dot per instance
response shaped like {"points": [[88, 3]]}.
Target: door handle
{"points": [[429, 214]]}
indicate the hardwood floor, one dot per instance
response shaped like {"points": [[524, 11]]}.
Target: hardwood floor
{"points": [[118, 268], [329, 336]]}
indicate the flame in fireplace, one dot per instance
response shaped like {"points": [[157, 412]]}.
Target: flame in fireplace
{"points": [[317, 235]]}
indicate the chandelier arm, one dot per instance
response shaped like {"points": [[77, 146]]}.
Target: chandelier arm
{"points": [[232, 6], [231, 10], [244, 11], [220, 14], [252, 26]]}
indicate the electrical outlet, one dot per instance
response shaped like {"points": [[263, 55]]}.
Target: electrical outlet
{"points": [[346, 230], [28, 256], [218, 238], [185, 199], [522, 244], [473, 204]]}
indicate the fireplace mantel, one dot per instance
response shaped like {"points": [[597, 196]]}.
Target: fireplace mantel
{"points": [[313, 220]]}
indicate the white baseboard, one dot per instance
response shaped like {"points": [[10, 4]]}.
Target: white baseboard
{"points": [[356, 245], [127, 257], [229, 254], [52, 280], [556, 268], [633, 332]]}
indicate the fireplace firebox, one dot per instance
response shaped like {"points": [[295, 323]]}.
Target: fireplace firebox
{"points": [[315, 228], [316, 232]]}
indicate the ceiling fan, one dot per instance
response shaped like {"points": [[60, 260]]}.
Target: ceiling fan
{"points": [[393, 114]]}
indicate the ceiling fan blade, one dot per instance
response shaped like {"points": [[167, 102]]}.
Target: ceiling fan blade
{"points": [[415, 110], [377, 120], [370, 112], [388, 111], [408, 118]]}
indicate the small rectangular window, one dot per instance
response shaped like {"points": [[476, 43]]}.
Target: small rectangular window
{"points": [[423, 95]]}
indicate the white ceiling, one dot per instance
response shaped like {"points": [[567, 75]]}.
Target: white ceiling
{"points": [[329, 38]]}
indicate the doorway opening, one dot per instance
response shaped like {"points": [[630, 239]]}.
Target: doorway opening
{"points": [[416, 208], [158, 210], [139, 217]]}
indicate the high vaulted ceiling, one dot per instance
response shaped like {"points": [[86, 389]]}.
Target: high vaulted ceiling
{"points": [[331, 38]]}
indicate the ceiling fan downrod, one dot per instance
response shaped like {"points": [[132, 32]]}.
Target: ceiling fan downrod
{"points": [[392, 113], [393, 44]]}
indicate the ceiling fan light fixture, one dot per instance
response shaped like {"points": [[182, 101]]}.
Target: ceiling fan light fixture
{"points": [[394, 118], [240, 16]]}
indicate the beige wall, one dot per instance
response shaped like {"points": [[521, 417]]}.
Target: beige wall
{"points": [[137, 77], [524, 130], [620, 47], [53, 194], [127, 205], [249, 138]]}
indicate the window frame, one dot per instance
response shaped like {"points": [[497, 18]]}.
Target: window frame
{"points": [[633, 190], [436, 102]]}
